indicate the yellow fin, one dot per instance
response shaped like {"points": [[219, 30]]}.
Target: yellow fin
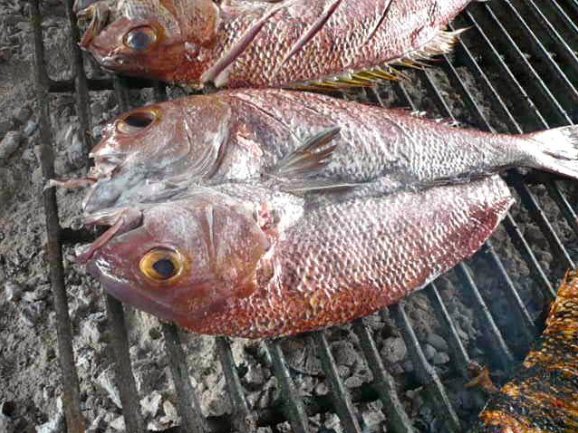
{"points": [[442, 43]]}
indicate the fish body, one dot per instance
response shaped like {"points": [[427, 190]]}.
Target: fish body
{"points": [[250, 262], [542, 396], [266, 44], [265, 137]]}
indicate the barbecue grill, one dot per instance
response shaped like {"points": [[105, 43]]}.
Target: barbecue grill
{"points": [[515, 70]]}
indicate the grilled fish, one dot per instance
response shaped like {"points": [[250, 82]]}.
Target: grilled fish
{"points": [[542, 396], [301, 143], [247, 261], [321, 43]]}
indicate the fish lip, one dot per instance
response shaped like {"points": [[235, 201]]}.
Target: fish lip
{"points": [[120, 220]]}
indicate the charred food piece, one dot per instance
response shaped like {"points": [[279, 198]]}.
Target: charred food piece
{"points": [[542, 398]]}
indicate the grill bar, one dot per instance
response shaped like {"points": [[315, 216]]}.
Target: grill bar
{"points": [[531, 203], [189, 409], [564, 205], [122, 366], [526, 252], [560, 12], [397, 419], [501, 355], [521, 60], [70, 383], [292, 403], [80, 81], [97, 85], [243, 419], [527, 322], [340, 396], [563, 49], [460, 356], [425, 372], [541, 51]]}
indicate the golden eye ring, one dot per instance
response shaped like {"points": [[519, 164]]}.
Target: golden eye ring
{"points": [[140, 38], [161, 265], [136, 121]]}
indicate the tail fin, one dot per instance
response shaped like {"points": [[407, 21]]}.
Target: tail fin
{"points": [[557, 151]]}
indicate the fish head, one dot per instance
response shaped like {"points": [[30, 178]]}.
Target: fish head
{"points": [[184, 259], [150, 38], [156, 148]]}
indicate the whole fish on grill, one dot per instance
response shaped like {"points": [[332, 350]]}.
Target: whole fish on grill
{"points": [[301, 143], [236, 43], [246, 260], [542, 396]]}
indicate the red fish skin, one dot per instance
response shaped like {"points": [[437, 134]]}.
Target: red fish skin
{"points": [[334, 264], [262, 44]]}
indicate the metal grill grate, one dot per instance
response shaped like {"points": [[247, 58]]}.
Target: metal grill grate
{"points": [[520, 55]]}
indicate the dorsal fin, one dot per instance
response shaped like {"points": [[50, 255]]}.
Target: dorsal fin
{"points": [[441, 43]]}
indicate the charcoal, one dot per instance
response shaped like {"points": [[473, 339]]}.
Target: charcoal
{"points": [[8, 145], [13, 291], [394, 350], [437, 342]]}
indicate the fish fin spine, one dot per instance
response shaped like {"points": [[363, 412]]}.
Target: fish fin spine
{"points": [[442, 43]]}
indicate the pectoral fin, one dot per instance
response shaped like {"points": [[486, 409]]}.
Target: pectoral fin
{"points": [[313, 155], [295, 172]]}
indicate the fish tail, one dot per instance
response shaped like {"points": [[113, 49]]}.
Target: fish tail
{"points": [[557, 151]]}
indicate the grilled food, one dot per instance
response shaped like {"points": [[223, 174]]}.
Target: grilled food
{"points": [[542, 396], [301, 143], [236, 43], [248, 261]]}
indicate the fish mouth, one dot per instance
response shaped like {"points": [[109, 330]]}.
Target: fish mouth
{"points": [[120, 220], [97, 13]]}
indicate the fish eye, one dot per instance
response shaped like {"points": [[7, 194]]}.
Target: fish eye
{"points": [[161, 264], [140, 38], [136, 121]]}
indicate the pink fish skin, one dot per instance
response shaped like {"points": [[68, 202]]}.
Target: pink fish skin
{"points": [[266, 44], [249, 135], [255, 263]]}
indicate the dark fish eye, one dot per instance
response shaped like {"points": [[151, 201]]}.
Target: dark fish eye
{"points": [[165, 268], [161, 264], [141, 38], [136, 121]]}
